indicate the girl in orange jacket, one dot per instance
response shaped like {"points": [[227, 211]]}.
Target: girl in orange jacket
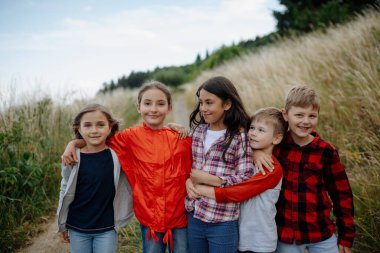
{"points": [[157, 164]]}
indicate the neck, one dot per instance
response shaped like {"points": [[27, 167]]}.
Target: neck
{"points": [[217, 127], [268, 150], [93, 149], [302, 141]]}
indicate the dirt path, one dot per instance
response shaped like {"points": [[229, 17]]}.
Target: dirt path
{"points": [[180, 111], [48, 241]]}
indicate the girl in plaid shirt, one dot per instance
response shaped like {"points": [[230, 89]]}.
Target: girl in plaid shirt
{"points": [[221, 157]]}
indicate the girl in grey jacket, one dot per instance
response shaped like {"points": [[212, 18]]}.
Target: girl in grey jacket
{"points": [[95, 199]]}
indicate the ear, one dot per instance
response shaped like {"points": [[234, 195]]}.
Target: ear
{"points": [[138, 108], [170, 108], [227, 104], [284, 114], [277, 139]]}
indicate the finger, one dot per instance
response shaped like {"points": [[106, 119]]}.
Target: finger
{"points": [[260, 168]]}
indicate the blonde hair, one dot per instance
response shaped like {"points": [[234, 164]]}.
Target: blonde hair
{"points": [[114, 123], [273, 116], [302, 96]]}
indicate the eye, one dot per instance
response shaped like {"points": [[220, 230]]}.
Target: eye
{"points": [[252, 128]]}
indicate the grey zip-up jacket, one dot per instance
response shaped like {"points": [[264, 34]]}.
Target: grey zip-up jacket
{"points": [[122, 202]]}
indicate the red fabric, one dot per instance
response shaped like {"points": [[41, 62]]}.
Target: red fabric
{"points": [[157, 164], [314, 181], [251, 187]]}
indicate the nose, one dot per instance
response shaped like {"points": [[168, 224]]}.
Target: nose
{"points": [[153, 108], [306, 120]]}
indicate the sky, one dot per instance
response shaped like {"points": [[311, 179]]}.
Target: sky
{"points": [[72, 47]]}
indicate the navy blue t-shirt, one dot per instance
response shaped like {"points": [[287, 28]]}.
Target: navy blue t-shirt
{"points": [[92, 208]]}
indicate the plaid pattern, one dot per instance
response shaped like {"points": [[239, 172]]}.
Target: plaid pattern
{"points": [[313, 177], [237, 168]]}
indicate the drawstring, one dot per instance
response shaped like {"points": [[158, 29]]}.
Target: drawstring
{"points": [[168, 237], [152, 233]]}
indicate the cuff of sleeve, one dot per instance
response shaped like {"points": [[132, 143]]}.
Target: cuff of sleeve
{"points": [[345, 242], [219, 196], [224, 181]]}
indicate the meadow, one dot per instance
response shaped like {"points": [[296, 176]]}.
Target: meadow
{"points": [[342, 63]]}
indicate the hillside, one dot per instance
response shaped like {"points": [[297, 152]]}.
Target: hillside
{"points": [[343, 64]]}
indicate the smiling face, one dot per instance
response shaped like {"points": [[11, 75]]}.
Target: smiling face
{"points": [[94, 129], [154, 107], [212, 109], [262, 136], [302, 121]]}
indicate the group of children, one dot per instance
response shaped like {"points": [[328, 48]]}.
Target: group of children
{"points": [[186, 192]]}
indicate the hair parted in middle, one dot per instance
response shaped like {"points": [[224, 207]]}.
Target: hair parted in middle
{"points": [[114, 123], [235, 119], [273, 116], [153, 84]]}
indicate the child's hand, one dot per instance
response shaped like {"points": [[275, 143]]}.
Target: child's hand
{"points": [[205, 190], [183, 133], [261, 160], [201, 177], [64, 236], [69, 157], [192, 192], [344, 249]]}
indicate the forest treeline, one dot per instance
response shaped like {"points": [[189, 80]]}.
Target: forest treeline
{"points": [[298, 17]]}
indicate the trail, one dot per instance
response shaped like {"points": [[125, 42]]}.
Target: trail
{"points": [[48, 241]]}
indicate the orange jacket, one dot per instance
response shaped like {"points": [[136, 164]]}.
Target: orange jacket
{"points": [[157, 164]]}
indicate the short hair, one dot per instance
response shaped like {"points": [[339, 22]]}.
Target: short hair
{"points": [[302, 96], [273, 116], [75, 125], [153, 84]]}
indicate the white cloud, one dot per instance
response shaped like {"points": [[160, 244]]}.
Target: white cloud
{"points": [[88, 52]]}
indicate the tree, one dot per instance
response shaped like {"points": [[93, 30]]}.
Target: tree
{"points": [[305, 16]]}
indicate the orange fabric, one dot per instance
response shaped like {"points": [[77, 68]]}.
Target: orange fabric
{"points": [[257, 184], [157, 164]]}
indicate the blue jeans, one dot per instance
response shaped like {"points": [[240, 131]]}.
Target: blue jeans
{"points": [[220, 237], [151, 246], [105, 242], [327, 246]]}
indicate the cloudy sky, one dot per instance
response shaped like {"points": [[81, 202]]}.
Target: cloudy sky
{"points": [[71, 46]]}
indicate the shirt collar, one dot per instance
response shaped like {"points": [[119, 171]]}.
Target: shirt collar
{"points": [[314, 143]]}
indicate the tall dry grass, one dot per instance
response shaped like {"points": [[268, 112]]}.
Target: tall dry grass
{"points": [[33, 133], [343, 64]]}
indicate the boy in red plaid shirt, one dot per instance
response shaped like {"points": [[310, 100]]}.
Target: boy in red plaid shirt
{"points": [[314, 181]]}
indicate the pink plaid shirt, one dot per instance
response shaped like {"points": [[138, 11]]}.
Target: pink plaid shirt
{"points": [[237, 168]]}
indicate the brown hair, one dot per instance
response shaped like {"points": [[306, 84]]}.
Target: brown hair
{"points": [[302, 96], [92, 108], [154, 85], [272, 116]]}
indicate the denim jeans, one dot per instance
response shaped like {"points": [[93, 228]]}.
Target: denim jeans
{"points": [[105, 242], [220, 237], [151, 246], [327, 246]]}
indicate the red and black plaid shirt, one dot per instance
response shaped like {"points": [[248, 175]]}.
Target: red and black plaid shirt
{"points": [[313, 177]]}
